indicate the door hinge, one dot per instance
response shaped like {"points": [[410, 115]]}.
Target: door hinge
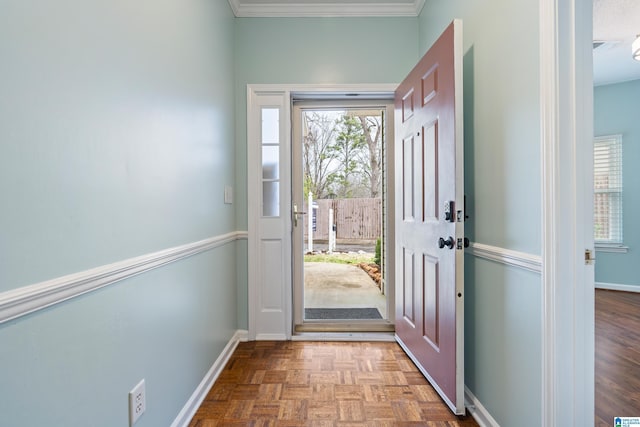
{"points": [[589, 258]]}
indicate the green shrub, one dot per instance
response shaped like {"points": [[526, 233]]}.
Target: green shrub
{"points": [[376, 258]]}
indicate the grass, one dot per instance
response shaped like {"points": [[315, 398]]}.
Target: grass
{"points": [[340, 258]]}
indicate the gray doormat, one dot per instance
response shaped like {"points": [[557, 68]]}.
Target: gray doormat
{"points": [[341, 313]]}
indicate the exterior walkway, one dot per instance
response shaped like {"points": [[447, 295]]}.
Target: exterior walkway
{"points": [[331, 285]]}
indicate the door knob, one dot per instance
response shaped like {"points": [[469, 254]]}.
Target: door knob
{"points": [[448, 243]]}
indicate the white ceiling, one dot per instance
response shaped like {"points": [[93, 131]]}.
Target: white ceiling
{"points": [[615, 22]]}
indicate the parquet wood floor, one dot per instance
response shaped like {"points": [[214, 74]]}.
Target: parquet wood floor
{"points": [[617, 357], [322, 384]]}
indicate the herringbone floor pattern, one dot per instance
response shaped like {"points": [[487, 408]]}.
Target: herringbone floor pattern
{"points": [[323, 384]]}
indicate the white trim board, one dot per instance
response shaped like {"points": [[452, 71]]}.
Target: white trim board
{"points": [[617, 287], [308, 89], [478, 411], [566, 121], [506, 256], [298, 9], [191, 407], [345, 336], [28, 299]]}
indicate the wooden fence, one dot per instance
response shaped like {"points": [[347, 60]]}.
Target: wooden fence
{"points": [[354, 219]]}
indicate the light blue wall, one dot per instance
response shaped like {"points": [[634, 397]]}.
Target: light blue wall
{"points": [[318, 51], [117, 137], [116, 121], [503, 341], [616, 112], [502, 182], [502, 117]]}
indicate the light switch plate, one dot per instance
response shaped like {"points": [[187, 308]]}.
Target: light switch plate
{"points": [[228, 194]]}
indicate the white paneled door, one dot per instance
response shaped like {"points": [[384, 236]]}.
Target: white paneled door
{"points": [[269, 270]]}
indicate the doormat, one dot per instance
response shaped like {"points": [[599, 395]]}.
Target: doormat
{"points": [[341, 313]]}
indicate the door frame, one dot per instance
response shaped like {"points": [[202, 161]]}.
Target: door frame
{"points": [[568, 293], [310, 103], [281, 328]]}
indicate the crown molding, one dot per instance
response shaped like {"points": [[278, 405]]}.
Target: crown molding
{"points": [[242, 9]]}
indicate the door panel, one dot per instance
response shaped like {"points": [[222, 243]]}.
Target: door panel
{"points": [[271, 291], [429, 322], [431, 312], [408, 294], [408, 193], [430, 179]]}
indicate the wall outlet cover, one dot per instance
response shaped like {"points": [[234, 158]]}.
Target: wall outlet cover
{"points": [[137, 402]]}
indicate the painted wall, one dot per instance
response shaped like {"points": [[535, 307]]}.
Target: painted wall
{"points": [[502, 181], [615, 112], [318, 51], [117, 130]]}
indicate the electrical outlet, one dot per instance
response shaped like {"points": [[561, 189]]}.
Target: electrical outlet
{"points": [[137, 402]]}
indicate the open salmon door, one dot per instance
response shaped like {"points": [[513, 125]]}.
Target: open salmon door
{"points": [[430, 216]]}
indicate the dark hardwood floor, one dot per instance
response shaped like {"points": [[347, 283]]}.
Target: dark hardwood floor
{"points": [[322, 384], [617, 358]]}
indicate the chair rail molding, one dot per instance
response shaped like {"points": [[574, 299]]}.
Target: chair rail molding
{"points": [[506, 256], [28, 299]]}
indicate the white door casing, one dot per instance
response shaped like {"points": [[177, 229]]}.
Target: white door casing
{"points": [[270, 297], [566, 110], [299, 107]]}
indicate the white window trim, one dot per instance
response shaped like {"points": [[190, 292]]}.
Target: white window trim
{"points": [[613, 245]]}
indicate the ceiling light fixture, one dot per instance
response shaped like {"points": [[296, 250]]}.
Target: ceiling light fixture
{"points": [[635, 48]]}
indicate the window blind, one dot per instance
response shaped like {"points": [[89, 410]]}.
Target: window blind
{"points": [[607, 156]]}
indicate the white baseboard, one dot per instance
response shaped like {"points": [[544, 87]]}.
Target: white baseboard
{"points": [[479, 412], [618, 287], [191, 407], [242, 335]]}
